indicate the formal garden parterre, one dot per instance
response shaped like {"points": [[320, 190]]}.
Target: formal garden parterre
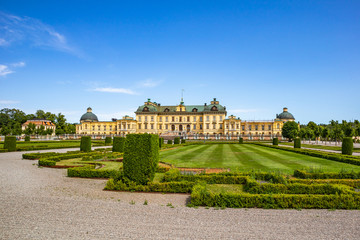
{"points": [[250, 174]]}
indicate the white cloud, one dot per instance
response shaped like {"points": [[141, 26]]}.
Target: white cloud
{"points": [[8, 102], [31, 30], [18, 64], [4, 70], [149, 83], [115, 90]]}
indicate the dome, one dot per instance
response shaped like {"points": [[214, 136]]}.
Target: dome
{"points": [[285, 115], [89, 116]]}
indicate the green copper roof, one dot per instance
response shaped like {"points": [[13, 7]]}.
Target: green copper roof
{"points": [[89, 116], [188, 108], [285, 115]]}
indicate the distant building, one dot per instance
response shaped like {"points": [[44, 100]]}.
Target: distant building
{"points": [[40, 122], [193, 121]]}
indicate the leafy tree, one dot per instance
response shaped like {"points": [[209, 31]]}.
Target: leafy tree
{"points": [[16, 129], [302, 133], [49, 131], [325, 134], [30, 129], [290, 130], [309, 133], [336, 133], [5, 130]]}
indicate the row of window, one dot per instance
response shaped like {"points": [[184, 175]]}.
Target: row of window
{"points": [[181, 119], [124, 126]]}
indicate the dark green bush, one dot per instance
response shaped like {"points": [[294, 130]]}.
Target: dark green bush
{"points": [[33, 156], [118, 144], [85, 144], [347, 146], [107, 141], [90, 172], [27, 138], [47, 163], [177, 140], [169, 142], [183, 141], [241, 140], [161, 142], [355, 183], [141, 157], [297, 143], [10, 143], [326, 175], [275, 141]]}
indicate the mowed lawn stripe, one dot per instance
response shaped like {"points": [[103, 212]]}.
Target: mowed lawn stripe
{"points": [[180, 150], [279, 160], [216, 157], [245, 157]]}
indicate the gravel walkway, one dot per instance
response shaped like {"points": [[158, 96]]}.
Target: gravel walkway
{"points": [[42, 203]]}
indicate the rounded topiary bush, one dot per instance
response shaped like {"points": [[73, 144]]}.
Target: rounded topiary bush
{"points": [[297, 143], [177, 140], [275, 141], [118, 144], [241, 140], [10, 143], [107, 141], [169, 142], [347, 146], [27, 138], [85, 144]]}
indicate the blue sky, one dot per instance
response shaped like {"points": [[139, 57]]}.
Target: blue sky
{"points": [[256, 57]]}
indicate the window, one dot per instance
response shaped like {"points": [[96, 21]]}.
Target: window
{"points": [[194, 126], [93, 128], [256, 127], [194, 119], [214, 108], [269, 127], [173, 119], [188, 119], [214, 126], [220, 118], [237, 126], [145, 125], [166, 126], [166, 110], [152, 118], [110, 128], [214, 118], [160, 126], [207, 126], [278, 126], [201, 127], [180, 119], [139, 118], [85, 126], [249, 127], [166, 119], [145, 109], [207, 118], [194, 110], [145, 118], [152, 126], [128, 126], [243, 127], [221, 127], [160, 120], [263, 127], [104, 127], [139, 125], [201, 119]]}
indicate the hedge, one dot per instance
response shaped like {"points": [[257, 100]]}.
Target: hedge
{"points": [[27, 138], [200, 196], [33, 156], [347, 146], [171, 187], [161, 142], [90, 172], [183, 141], [141, 157], [85, 144], [47, 163], [297, 143], [326, 175], [118, 144], [10, 143], [241, 140], [107, 141], [275, 141], [177, 140], [354, 160], [169, 141], [355, 183]]}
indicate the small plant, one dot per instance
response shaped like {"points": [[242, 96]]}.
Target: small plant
{"points": [[169, 205], [132, 202], [145, 202]]}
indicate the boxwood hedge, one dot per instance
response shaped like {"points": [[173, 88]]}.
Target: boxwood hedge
{"points": [[85, 144], [118, 144], [10, 143]]}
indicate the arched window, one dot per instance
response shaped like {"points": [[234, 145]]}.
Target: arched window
{"points": [[194, 110], [145, 109], [166, 110], [214, 108]]}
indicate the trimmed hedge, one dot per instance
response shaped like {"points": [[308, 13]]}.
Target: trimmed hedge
{"points": [[10, 143], [355, 183], [328, 175], [241, 140], [107, 141], [169, 141], [141, 157], [27, 138], [118, 144], [171, 187], [33, 156], [85, 144], [200, 196], [297, 143], [183, 141], [161, 142], [177, 140], [47, 163], [90, 172], [275, 141], [347, 146]]}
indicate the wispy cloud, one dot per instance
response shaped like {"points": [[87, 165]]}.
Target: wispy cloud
{"points": [[115, 90], [26, 29], [5, 69], [149, 83], [8, 102]]}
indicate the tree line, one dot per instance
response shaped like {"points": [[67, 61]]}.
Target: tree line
{"points": [[333, 131], [12, 119]]}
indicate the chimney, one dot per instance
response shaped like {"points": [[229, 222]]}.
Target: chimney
{"points": [[205, 104]]}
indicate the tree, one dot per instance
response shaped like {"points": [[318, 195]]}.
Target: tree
{"points": [[16, 129], [325, 134], [5, 130], [309, 133], [30, 129], [302, 133], [49, 131], [290, 130], [336, 133], [347, 128]]}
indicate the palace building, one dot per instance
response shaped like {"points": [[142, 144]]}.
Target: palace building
{"points": [[189, 121]]}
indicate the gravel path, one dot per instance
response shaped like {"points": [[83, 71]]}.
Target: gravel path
{"points": [[42, 203]]}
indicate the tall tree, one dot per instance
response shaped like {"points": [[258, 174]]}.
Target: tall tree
{"points": [[290, 130]]}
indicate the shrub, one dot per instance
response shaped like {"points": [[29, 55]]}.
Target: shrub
{"points": [[355, 183], [90, 172], [85, 144], [275, 141], [241, 140], [169, 141], [118, 144], [183, 141], [141, 157], [161, 142], [347, 146], [326, 175], [107, 141], [177, 140], [297, 143], [47, 163], [27, 138], [10, 143]]}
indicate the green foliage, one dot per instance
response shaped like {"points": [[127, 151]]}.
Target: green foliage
{"points": [[85, 144], [183, 141], [141, 157], [47, 163], [177, 140], [118, 144], [10, 143], [355, 183], [169, 141], [297, 143], [107, 141], [161, 142], [347, 146], [326, 175], [90, 172], [290, 130], [33, 156], [275, 141], [27, 138], [241, 140]]}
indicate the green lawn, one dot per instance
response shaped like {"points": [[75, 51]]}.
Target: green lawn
{"points": [[245, 157], [336, 148]]}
